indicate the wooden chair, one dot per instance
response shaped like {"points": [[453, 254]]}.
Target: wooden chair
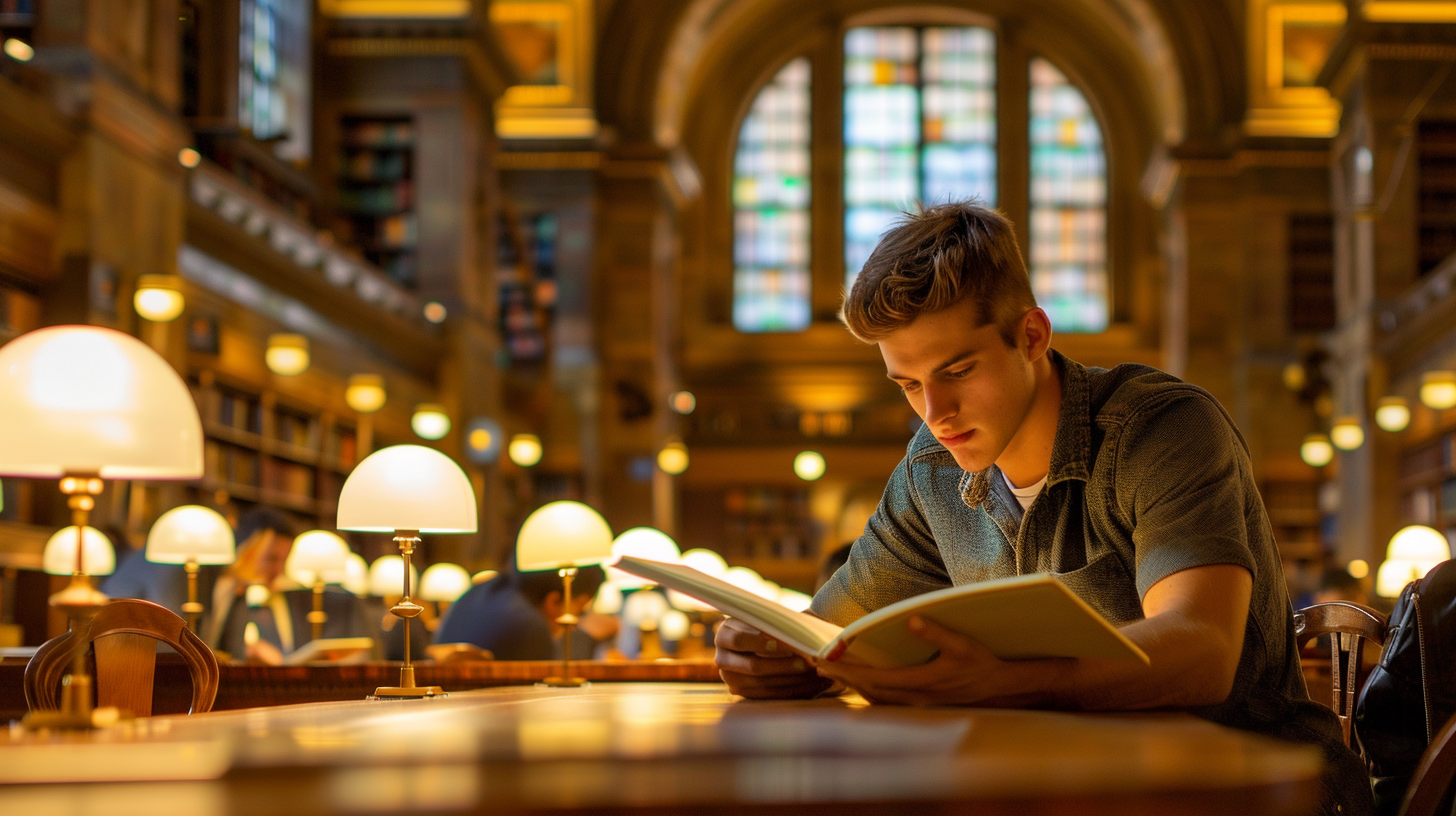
{"points": [[1431, 790], [1349, 625], [124, 634]]}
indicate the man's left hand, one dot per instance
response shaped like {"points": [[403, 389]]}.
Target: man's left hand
{"points": [[964, 673]]}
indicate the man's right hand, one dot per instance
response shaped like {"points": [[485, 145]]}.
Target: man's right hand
{"points": [[757, 666]]}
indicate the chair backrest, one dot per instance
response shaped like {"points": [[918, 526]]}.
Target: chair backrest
{"points": [[1430, 791], [124, 632], [1349, 625]]}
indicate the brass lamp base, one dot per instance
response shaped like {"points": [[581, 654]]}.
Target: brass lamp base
{"points": [[565, 682], [413, 692]]}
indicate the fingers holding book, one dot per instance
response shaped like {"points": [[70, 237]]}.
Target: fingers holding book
{"points": [[758, 666]]}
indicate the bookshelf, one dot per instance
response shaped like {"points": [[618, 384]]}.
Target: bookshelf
{"points": [[376, 191], [1437, 193], [769, 529], [1428, 481], [262, 448]]}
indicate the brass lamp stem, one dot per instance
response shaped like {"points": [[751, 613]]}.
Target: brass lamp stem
{"points": [[192, 609], [318, 617], [567, 621], [80, 601], [405, 610]]}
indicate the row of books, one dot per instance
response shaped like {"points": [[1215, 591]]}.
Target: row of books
{"points": [[379, 133], [383, 199], [239, 411], [372, 165]]}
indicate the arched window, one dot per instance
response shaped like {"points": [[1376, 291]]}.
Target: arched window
{"points": [[919, 110], [771, 207], [1068, 204]]}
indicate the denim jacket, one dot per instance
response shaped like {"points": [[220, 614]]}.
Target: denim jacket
{"points": [[1148, 477]]}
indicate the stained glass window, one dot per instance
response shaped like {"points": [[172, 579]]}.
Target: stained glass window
{"points": [[1068, 204], [919, 126], [771, 207], [273, 73]]}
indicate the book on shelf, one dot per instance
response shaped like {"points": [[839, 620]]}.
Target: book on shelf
{"points": [[1017, 618]]}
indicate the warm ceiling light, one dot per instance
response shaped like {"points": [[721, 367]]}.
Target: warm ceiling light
{"points": [[683, 402], [19, 50], [673, 458], [1359, 568], [1316, 450], [809, 466], [1438, 389], [435, 311], [159, 298], [1346, 433], [365, 393], [430, 421], [483, 440], [525, 449], [287, 354], [188, 157], [1295, 377], [1392, 414]]}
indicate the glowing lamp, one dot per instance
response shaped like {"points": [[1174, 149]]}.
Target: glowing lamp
{"points": [[794, 599], [356, 575], [483, 576], [159, 298], [287, 354], [1316, 451], [435, 311], [19, 50], [191, 535], [1438, 389], [608, 600], [189, 157], [407, 490], [444, 582], [1359, 568], [641, 542], [430, 421], [1346, 433], [97, 556], [365, 393], [809, 466], [525, 450], [483, 440], [1392, 414], [1418, 543], [386, 575], [315, 556], [643, 609], [1393, 576], [563, 535], [673, 625], [673, 458]]}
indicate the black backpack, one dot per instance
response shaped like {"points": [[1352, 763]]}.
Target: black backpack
{"points": [[1412, 692]]}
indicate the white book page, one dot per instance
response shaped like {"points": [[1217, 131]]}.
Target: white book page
{"points": [[800, 631]]}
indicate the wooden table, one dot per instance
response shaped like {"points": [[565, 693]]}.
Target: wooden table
{"points": [[656, 748]]}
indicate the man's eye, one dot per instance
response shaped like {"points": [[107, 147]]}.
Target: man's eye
{"points": [[908, 387], [958, 374]]}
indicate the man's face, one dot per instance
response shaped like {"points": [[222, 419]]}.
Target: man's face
{"points": [[971, 389], [273, 555]]}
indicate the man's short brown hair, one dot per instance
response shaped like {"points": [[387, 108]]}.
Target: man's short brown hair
{"points": [[933, 259]]}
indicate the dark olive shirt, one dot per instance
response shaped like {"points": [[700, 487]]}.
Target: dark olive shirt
{"points": [[1148, 477]]}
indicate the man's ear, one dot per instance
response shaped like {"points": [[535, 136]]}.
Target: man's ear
{"points": [[1036, 332]]}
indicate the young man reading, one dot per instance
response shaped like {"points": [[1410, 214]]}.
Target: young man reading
{"points": [[1131, 486]]}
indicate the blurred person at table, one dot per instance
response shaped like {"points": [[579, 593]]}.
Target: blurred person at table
{"points": [[1131, 486], [513, 615], [265, 537], [831, 564]]}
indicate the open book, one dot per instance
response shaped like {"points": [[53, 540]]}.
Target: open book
{"points": [[1025, 616]]}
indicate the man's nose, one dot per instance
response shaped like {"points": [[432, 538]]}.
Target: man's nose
{"points": [[940, 405]]}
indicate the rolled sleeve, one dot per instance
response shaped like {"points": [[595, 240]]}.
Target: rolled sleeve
{"points": [[1189, 479], [893, 559]]}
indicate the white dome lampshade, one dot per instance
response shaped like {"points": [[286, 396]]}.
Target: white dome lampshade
{"points": [[386, 576], [97, 556], [643, 609], [1419, 543], [563, 534], [641, 542], [191, 533], [84, 399], [608, 600], [317, 555], [444, 582], [708, 562], [674, 625], [407, 487], [356, 575]]}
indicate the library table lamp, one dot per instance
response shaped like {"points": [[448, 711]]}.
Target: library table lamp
{"points": [[407, 490], [317, 556], [97, 556], [82, 404], [641, 542], [193, 536], [563, 535], [443, 583]]}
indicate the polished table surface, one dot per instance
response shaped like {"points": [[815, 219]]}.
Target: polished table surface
{"points": [[654, 747]]}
